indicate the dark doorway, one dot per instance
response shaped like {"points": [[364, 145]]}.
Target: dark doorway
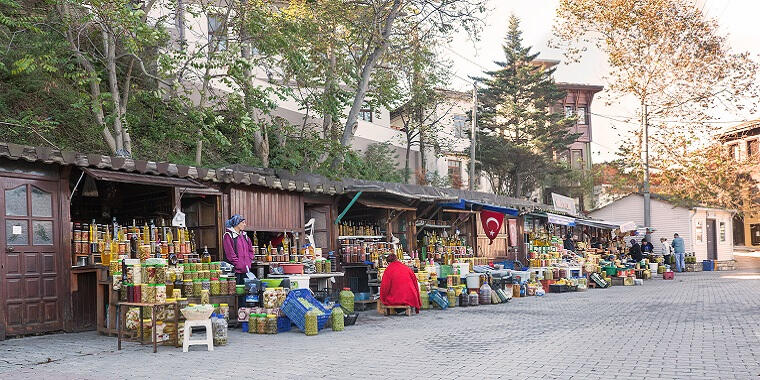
{"points": [[712, 240]]}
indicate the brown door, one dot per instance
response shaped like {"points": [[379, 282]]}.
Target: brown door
{"points": [[29, 262]]}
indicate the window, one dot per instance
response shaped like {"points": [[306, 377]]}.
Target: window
{"points": [[569, 111], [581, 115], [733, 149], [217, 33], [460, 126], [698, 232], [576, 159], [455, 173], [722, 229], [752, 148], [366, 113]]}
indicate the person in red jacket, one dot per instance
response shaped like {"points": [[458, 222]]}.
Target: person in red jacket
{"points": [[237, 247], [399, 285]]}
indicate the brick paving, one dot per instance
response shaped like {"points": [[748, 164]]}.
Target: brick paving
{"points": [[702, 325]]}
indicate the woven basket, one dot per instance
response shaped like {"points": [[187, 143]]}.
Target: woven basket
{"points": [[197, 314]]}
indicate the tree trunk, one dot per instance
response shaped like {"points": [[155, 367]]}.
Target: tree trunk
{"points": [[199, 148], [122, 137], [260, 135], [327, 121], [406, 160], [363, 84]]}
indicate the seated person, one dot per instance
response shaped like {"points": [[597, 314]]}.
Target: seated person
{"points": [[399, 285]]}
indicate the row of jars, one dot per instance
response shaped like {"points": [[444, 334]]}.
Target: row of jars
{"points": [[262, 324], [215, 286], [143, 293]]}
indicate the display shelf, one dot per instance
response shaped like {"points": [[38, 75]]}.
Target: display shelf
{"points": [[360, 237]]}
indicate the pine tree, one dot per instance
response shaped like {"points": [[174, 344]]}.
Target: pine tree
{"points": [[520, 130]]}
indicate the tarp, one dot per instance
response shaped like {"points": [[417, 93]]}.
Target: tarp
{"points": [[597, 223], [627, 226], [560, 219], [465, 204]]}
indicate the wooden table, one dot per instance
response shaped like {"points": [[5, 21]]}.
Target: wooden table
{"points": [[121, 315]]}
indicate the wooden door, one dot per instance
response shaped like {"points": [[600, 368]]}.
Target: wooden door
{"points": [[29, 257], [712, 241]]}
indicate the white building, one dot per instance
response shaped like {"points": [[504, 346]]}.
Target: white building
{"points": [[706, 231]]}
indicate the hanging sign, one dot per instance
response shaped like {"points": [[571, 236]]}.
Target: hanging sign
{"points": [[561, 220], [492, 222], [512, 223], [564, 204]]}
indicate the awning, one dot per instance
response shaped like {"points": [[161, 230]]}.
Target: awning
{"points": [[560, 219], [389, 204], [597, 223], [465, 204], [142, 179], [627, 226]]}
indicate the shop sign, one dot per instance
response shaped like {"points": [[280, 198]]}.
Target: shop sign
{"points": [[512, 232], [564, 204], [492, 222]]}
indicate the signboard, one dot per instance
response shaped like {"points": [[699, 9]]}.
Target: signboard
{"points": [[492, 222], [512, 232], [563, 203], [561, 220]]}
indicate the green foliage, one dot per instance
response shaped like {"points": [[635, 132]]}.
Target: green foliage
{"points": [[520, 135]]}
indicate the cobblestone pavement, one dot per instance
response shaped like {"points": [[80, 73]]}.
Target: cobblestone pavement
{"points": [[702, 325]]}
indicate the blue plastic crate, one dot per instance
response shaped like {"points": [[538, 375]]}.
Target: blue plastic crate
{"points": [[283, 324], [297, 312], [439, 300]]}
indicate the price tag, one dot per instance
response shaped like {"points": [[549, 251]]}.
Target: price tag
{"points": [[16, 230]]}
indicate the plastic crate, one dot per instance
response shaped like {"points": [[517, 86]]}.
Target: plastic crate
{"points": [[350, 319], [297, 312], [439, 300], [707, 265], [283, 324]]}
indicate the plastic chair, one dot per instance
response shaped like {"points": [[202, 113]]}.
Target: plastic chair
{"points": [[208, 341]]}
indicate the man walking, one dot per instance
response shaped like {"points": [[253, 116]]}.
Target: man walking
{"points": [[679, 250]]}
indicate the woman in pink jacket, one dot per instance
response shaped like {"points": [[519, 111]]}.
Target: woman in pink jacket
{"points": [[238, 249]]}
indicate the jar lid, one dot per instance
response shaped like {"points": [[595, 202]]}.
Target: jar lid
{"points": [[223, 305], [214, 279], [349, 289]]}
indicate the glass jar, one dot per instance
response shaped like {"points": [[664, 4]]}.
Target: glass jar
{"points": [[151, 294], [425, 299], [197, 286], [270, 298], [224, 310], [160, 293], [205, 266], [217, 266], [252, 320], [169, 289], [151, 272], [319, 266], [219, 328], [271, 324], [261, 324], [215, 287], [346, 298], [206, 284], [231, 286], [161, 274], [187, 288], [204, 297]]}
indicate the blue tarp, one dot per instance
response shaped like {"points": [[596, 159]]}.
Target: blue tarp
{"points": [[465, 204]]}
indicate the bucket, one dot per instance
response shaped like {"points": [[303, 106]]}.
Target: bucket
{"points": [[463, 268], [707, 265], [299, 282], [653, 267], [473, 281]]}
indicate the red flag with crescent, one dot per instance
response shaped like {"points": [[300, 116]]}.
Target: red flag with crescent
{"points": [[491, 221]]}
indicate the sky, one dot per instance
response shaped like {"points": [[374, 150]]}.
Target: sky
{"points": [[737, 18]]}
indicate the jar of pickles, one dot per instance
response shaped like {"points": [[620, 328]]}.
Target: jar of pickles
{"points": [[160, 273], [252, 318], [319, 266], [224, 310], [271, 324], [215, 287], [205, 266], [261, 324], [197, 286], [160, 293], [206, 284], [187, 288], [204, 297], [217, 266], [231, 286]]}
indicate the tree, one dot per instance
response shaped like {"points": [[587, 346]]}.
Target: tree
{"points": [[520, 132], [371, 28], [109, 40], [669, 57]]}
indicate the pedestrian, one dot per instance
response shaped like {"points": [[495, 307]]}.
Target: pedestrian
{"points": [[568, 243], [679, 251], [646, 246], [238, 249], [635, 251], [665, 250]]}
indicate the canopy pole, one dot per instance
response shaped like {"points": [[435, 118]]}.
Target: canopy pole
{"points": [[345, 210]]}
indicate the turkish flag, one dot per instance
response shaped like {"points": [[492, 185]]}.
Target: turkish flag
{"points": [[491, 221]]}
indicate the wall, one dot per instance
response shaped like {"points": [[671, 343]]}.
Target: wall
{"points": [[666, 218], [266, 209]]}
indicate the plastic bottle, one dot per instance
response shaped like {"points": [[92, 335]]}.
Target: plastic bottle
{"points": [[425, 300], [464, 300], [473, 299], [451, 295], [485, 294]]}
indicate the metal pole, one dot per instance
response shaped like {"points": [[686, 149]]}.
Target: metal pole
{"points": [[647, 209], [473, 128]]}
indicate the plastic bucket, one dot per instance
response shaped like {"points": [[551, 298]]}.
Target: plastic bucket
{"points": [[653, 267], [707, 265], [473, 281]]}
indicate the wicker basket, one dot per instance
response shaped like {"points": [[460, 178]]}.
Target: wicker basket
{"points": [[196, 314]]}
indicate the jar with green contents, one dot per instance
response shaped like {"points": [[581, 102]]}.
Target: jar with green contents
{"points": [[425, 299], [310, 326], [205, 266], [261, 324], [197, 287], [346, 298], [215, 287], [217, 266], [271, 324], [338, 323], [252, 320]]}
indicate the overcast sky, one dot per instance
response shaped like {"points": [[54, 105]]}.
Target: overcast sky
{"points": [[738, 18]]}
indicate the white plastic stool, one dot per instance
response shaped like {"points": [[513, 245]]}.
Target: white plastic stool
{"points": [[209, 341]]}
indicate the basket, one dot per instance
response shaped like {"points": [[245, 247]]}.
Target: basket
{"points": [[350, 319], [198, 313], [297, 312], [283, 324]]}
